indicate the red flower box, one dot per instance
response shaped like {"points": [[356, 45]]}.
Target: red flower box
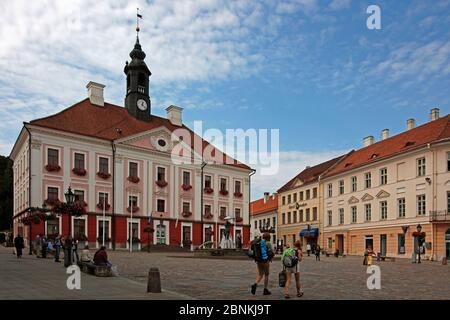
{"points": [[186, 187], [79, 171], [208, 190], [223, 192], [208, 216], [239, 219], [100, 206], [135, 209], [82, 203], [51, 202], [161, 183], [52, 168], [133, 179], [238, 195], [222, 217], [186, 214], [103, 175]]}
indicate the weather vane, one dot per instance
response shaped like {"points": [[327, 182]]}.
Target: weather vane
{"points": [[138, 16]]}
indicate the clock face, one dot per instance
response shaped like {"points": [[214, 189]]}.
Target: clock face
{"points": [[142, 104]]}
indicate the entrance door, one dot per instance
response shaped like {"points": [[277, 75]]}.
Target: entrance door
{"points": [[383, 244], [160, 234], [353, 241], [369, 242], [340, 243], [186, 235], [447, 244]]}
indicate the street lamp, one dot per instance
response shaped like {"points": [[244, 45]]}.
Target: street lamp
{"points": [[70, 199]]}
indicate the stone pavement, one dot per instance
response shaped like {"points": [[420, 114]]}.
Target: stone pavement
{"points": [[33, 278], [331, 278]]}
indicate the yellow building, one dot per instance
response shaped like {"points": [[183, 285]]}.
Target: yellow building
{"points": [[299, 206]]}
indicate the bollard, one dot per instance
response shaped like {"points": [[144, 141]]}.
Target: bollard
{"points": [[444, 261], [154, 281]]}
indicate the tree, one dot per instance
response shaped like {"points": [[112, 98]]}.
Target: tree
{"points": [[6, 193]]}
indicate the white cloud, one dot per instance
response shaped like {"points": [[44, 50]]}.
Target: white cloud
{"points": [[340, 4], [291, 163]]}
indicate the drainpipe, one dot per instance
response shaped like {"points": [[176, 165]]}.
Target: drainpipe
{"points": [[113, 219], [29, 182], [249, 198]]}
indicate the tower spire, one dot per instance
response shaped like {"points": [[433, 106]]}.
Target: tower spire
{"points": [[138, 16]]}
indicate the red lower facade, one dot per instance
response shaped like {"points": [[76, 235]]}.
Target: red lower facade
{"points": [[89, 229]]}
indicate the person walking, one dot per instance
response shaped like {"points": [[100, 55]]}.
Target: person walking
{"points": [[290, 259], [57, 246], [43, 246], [308, 249], [19, 245], [262, 258], [67, 251], [370, 254], [318, 249]]}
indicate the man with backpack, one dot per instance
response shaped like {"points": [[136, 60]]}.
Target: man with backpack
{"points": [[262, 253]]}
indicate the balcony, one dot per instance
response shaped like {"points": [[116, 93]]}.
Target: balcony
{"points": [[440, 216]]}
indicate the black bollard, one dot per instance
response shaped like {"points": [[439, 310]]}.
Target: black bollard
{"points": [[154, 281]]}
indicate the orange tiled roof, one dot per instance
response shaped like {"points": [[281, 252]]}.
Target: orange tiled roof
{"points": [[406, 141], [258, 206], [87, 119], [311, 174]]}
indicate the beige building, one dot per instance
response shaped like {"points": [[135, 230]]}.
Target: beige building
{"points": [[378, 195], [263, 217], [299, 206]]}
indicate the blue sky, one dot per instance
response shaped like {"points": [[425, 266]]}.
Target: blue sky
{"points": [[310, 68]]}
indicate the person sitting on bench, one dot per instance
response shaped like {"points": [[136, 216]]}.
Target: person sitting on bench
{"points": [[101, 257], [86, 255]]}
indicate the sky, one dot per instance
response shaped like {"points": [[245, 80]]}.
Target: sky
{"points": [[310, 68]]}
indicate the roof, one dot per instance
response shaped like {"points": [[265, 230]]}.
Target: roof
{"points": [[310, 175], [259, 207], [103, 122], [412, 139]]}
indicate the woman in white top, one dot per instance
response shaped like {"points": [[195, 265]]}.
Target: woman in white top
{"points": [[86, 255]]}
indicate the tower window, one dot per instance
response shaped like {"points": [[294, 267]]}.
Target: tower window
{"points": [[162, 142]]}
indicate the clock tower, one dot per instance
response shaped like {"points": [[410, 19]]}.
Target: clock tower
{"points": [[137, 99]]}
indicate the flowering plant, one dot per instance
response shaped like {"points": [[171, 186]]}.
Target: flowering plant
{"points": [[186, 187], [100, 206], [223, 192], [134, 179], [238, 195], [208, 215], [51, 202], [186, 214], [77, 209], [239, 219], [208, 190], [135, 209], [51, 168], [161, 183], [103, 175], [79, 171]]}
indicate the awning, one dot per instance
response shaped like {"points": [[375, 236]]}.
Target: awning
{"points": [[309, 233]]}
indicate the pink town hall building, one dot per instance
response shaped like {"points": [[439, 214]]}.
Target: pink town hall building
{"points": [[119, 163]]}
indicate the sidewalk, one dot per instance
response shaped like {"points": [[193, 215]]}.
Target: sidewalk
{"points": [[33, 278]]}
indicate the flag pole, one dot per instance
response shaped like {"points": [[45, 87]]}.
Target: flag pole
{"points": [[104, 216], [131, 224]]}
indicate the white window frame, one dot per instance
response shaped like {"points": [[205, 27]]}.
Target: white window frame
{"points": [[60, 154], [330, 190], [354, 181], [341, 188], [162, 167], [341, 216], [383, 175], [368, 212], [98, 162], [420, 206], [354, 211], [156, 204], [367, 180], [190, 176], [421, 167], [401, 203], [383, 210], [137, 168]]}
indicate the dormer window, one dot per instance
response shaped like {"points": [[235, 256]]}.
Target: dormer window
{"points": [[374, 156], [409, 143]]}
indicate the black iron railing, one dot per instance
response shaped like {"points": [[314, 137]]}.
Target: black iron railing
{"points": [[439, 215]]}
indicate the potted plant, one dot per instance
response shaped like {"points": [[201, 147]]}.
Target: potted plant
{"points": [[238, 195], [100, 206], [186, 187], [103, 175], [222, 217], [51, 202], [79, 171], [52, 168], [133, 179], [208, 190], [208, 215], [223, 192], [135, 209], [239, 219], [161, 183], [186, 214]]}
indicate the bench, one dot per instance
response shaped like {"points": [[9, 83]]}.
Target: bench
{"points": [[99, 271]]}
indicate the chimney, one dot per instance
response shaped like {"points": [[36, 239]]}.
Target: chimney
{"points": [[367, 141], [174, 115], [266, 197], [274, 195], [384, 134], [95, 93], [410, 124], [434, 114]]}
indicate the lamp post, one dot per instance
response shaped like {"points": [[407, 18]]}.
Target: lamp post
{"points": [[30, 240], [70, 199], [68, 259], [201, 201]]}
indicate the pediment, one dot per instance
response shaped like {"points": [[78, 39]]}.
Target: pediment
{"points": [[353, 200], [383, 194], [366, 197], [297, 183]]}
